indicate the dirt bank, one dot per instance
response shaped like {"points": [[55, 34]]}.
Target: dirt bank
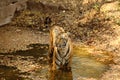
{"points": [[17, 38]]}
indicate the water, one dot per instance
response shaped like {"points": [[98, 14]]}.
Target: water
{"points": [[85, 65], [32, 65], [9, 73]]}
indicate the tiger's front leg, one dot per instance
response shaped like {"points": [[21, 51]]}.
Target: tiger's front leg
{"points": [[54, 66], [51, 50], [68, 66], [50, 54]]}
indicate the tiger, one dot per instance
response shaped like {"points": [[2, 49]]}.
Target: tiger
{"points": [[60, 51], [54, 32]]}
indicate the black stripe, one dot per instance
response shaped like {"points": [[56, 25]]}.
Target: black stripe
{"points": [[59, 53], [57, 58], [61, 33], [67, 51], [57, 63], [67, 61]]}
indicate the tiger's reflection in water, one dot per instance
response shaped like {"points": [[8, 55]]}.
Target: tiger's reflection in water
{"points": [[60, 75]]}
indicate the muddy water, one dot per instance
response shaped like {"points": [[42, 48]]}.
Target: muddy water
{"points": [[32, 65], [85, 65]]}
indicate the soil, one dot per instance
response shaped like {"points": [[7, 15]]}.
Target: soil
{"points": [[89, 23], [20, 38]]}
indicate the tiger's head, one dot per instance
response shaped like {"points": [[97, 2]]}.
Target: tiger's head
{"points": [[62, 41]]}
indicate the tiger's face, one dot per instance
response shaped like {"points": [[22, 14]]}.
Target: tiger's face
{"points": [[62, 41]]}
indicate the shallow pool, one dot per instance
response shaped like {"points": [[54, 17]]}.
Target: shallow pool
{"points": [[32, 65]]}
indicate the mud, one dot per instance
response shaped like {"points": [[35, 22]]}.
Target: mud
{"points": [[32, 64], [18, 38]]}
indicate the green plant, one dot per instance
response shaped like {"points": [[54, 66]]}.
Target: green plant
{"points": [[117, 22], [96, 6]]}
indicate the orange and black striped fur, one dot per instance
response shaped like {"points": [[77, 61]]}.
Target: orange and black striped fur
{"points": [[60, 49]]}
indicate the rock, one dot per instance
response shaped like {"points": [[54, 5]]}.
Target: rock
{"points": [[110, 6], [7, 12], [21, 5], [7, 2], [45, 7], [111, 10]]}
